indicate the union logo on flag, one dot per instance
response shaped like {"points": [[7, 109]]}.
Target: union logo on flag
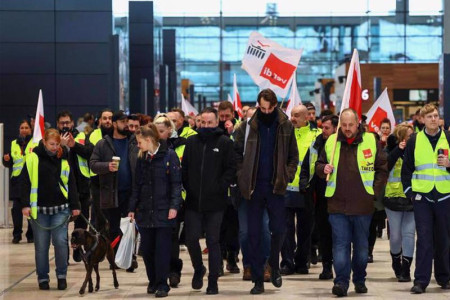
{"points": [[367, 153]]}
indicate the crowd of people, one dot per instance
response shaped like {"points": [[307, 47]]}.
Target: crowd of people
{"points": [[267, 186]]}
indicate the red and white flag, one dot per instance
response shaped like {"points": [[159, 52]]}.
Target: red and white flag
{"points": [[380, 110], [39, 127], [187, 107], [229, 99], [294, 98], [237, 105], [269, 64], [352, 93]]}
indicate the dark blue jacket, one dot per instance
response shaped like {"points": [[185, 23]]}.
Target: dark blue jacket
{"points": [[157, 188]]}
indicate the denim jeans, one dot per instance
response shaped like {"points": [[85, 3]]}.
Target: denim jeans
{"points": [[348, 230], [243, 233], [42, 244], [402, 228]]}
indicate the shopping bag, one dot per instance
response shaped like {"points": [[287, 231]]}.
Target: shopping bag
{"points": [[125, 252]]}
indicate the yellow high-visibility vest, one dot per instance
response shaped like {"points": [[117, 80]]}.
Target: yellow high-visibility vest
{"points": [[19, 158], [82, 162], [95, 136], [394, 186]]}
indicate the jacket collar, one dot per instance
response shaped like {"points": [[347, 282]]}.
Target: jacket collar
{"points": [[282, 118]]}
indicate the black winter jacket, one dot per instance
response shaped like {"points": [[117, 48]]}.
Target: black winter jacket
{"points": [[49, 174], [208, 168], [156, 188]]}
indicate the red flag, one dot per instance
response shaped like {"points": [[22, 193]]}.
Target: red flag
{"points": [[187, 107], [380, 110], [352, 93], [237, 105], [39, 128]]}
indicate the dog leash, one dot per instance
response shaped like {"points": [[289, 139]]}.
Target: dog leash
{"points": [[89, 223], [52, 227]]}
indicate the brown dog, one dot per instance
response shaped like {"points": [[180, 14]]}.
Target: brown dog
{"points": [[94, 248]]}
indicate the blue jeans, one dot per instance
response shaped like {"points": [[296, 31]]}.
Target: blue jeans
{"points": [[243, 233], [42, 244], [402, 228], [348, 230]]}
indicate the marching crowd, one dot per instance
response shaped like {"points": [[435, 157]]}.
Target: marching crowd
{"points": [[267, 186]]}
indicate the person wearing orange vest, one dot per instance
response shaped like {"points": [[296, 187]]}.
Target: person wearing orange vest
{"points": [[358, 172], [426, 182], [15, 159]]}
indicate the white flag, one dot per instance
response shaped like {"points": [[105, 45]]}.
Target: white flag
{"points": [[237, 105], [39, 128], [187, 107], [229, 99], [352, 92], [294, 98], [269, 64], [380, 110]]}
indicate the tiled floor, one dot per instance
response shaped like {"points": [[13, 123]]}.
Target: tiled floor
{"points": [[18, 280]]}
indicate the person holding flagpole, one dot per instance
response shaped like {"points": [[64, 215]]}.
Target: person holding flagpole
{"points": [[360, 163]]}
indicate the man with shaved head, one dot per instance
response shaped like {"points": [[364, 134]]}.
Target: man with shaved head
{"points": [[358, 172], [298, 203]]}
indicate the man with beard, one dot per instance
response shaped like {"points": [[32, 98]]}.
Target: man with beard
{"points": [[79, 154], [226, 117], [133, 123], [178, 118], [115, 177]]}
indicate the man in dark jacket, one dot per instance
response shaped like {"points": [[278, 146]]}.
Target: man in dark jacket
{"points": [[360, 163], [208, 168], [267, 159], [115, 178]]}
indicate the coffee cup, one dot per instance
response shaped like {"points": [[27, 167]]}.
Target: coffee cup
{"points": [[116, 159]]}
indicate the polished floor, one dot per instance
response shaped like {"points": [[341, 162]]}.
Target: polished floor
{"points": [[18, 280]]}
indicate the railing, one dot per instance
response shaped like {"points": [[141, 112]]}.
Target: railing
{"points": [[4, 185]]}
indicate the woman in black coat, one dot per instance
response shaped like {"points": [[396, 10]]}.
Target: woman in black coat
{"points": [[155, 200]]}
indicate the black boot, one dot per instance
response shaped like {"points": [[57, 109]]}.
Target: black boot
{"points": [[175, 272], [327, 272], [397, 263], [370, 257], [258, 288], [232, 267], [405, 272]]}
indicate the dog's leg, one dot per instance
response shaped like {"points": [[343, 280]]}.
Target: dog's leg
{"points": [[88, 278], [110, 257], [97, 283]]}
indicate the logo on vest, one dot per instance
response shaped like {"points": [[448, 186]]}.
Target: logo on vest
{"points": [[367, 166], [367, 153]]}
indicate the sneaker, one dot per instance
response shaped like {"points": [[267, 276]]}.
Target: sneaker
{"points": [[275, 278], [197, 280], [360, 288], [339, 290], [62, 284], [161, 294], [417, 289], [44, 285]]}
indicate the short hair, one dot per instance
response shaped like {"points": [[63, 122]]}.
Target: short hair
{"points": [[326, 112], [352, 111], [178, 110], [103, 111], [310, 106], [88, 116], [428, 108], [64, 113], [224, 105], [269, 96], [210, 110], [418, 112], [25, 121], [133, 117], [333, 118], [401, 130], [144, 119], [386, 120]]}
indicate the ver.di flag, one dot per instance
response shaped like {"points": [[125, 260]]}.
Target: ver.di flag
{"points": [[294, 98], [269, 64], [380, 110], [39, 128], [187, 107], [237, 105], [352, 92]]}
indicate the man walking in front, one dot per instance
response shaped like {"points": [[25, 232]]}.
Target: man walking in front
{"points": [[359, 163], [267, 159]]}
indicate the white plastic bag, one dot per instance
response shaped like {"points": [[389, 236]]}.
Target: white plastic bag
{"points": [[125, 252]]}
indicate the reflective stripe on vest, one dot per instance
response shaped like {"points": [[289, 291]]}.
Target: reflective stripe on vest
{"points": [[305, 136], [428, 174], [180, 151], [366, 153], [95, 136], [313, 155], [394, 187], [187, 132], [18, 158], [82, 163], [32, 161]]}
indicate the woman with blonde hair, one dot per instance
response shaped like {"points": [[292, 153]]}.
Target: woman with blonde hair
{"points": [[49, 197]]}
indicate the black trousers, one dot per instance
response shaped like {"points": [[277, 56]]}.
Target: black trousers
{"points": [[293, 252], [113, 215], [156, 243], [175, 262], [229, 231], [209, 222], [324, 227], [17, 217], [85, 202]]}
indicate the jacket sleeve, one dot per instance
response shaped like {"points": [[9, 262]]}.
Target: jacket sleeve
{"points": [[239, 140], [135, 190], [321, 163], [84, 151], [381, 170], [408, 167], [292, 161], [25, 187], [74, 202], [175, 181], [185, 164], [228, 164], [8, 164], [304, 172], [96, 164], [393, 156]]}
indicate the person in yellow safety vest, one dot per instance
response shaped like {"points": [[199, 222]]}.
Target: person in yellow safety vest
{"points": [[182, 126], [426, 182], [294, 253], [167, 132], [309, 180], [399, 209], [15, 159], [75, 144], [358, 173], [49, 197]]}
